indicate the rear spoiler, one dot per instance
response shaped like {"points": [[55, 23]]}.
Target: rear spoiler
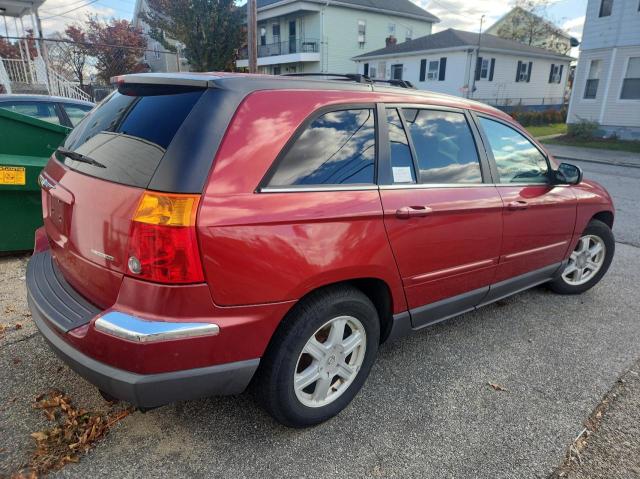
{"points": [[186, 79]]}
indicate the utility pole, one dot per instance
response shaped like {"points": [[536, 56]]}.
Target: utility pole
{"points": [[43, 48], [252, 35], [478, 67]]}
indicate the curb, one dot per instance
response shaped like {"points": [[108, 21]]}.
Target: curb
{"points": [[602, 162]]}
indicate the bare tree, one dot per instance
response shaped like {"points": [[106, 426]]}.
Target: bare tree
{"points": [[77, 54]]}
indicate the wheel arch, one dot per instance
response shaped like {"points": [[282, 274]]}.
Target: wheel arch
{"points": [[377, 290], [605, 216]]}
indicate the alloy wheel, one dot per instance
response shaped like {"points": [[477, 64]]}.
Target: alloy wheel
{"points": [[585, 261], [330, 361]]}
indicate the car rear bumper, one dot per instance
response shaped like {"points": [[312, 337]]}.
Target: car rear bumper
{"points": [[51, 300]]}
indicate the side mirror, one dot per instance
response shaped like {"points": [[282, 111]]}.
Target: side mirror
{"points": [[568, 174]]}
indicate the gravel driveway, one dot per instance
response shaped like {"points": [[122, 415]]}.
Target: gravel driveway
{"points": [[427, 409]]}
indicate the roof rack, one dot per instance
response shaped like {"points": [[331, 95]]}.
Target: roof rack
{"points": [[355, 77], [399, 83]]}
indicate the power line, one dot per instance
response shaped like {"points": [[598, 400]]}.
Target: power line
{"points": [[71, 10], [63, 6]]}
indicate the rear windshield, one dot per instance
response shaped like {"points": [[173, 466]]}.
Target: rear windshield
{"points": [[129, 133]]}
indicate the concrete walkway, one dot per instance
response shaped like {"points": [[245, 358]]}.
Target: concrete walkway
{"points": [[594, 155]]}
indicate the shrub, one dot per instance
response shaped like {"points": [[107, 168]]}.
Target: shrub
{"points": [[546, 117], [584, 129]]}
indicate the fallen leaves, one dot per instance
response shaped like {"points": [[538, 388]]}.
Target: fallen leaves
{"points": [[75, 431], [497, 387]]}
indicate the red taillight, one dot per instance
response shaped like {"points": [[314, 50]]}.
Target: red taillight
{"points": [[163, 245]]}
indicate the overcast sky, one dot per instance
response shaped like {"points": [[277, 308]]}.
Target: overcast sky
{"points": [[462, 14]]}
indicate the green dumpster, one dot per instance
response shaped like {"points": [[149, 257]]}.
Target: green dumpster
{"points": [[26, 144]]}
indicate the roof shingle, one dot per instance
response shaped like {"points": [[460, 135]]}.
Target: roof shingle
{"points": [[401, 7], [452, 38]]}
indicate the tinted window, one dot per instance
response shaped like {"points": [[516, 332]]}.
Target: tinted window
{"points": [[444, 146], [41, 110], [76, 112], [401, 161], [336, 148], [130, 134], [518, 160]]}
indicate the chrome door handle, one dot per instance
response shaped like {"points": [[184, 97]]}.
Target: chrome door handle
{"points": [[518, 205], [412, 211]]}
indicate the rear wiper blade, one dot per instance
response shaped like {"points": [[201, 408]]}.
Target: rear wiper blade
{"points": [[79, 157]]}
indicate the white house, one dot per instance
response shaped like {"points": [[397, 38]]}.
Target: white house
{"points": [[484, 67], [156, 55], [535, 30], [607, 82], [311, 36]]}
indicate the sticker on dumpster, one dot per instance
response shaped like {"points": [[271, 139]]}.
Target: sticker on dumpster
{"points": [[12, 175]]}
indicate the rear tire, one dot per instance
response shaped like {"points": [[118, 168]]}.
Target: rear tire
{"points": [[319, 357], [589, 261]]}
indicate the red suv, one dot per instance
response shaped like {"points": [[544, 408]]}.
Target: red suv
{"points": [[205, 231]]}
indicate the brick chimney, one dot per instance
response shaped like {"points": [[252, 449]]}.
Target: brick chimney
{"points": [[390, 40]]}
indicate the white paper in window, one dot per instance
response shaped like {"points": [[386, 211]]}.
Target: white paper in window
{"points": [[402, 174]]}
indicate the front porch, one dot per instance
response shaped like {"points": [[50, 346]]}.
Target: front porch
{"points": [[286, 39], [25, 66]]}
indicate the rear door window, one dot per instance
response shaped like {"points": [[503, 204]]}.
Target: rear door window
{"points": [[444, 146], [337, 148], [38, 109], [402, 168], [129, 134]]}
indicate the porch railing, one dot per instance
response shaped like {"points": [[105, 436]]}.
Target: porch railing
{"points": [[34, 73], [298, 45]]}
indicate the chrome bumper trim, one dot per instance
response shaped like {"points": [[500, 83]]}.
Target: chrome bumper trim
{"points": [[126, 326]]}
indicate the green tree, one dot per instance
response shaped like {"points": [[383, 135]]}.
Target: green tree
{"points": [[210, 30]]}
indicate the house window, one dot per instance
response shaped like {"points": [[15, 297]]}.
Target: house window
{"points": [[396, 72], [523, 72], [275, 31], [591, 88], [408, 34], [631, 82], [362, 31], [392, 29], [277, 70], [263, 36], [605, 8], [373, 72], [555, 74], [434, 67], [484, 68]]}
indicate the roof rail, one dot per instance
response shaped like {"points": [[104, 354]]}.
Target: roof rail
{"points": [[398, 83], [355, 77]]}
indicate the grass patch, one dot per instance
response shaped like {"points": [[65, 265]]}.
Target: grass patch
{"points": [[599, 143], [545, 130]]}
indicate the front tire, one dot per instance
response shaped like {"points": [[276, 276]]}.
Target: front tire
{"points": [[588, 262], [319, 357]]}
